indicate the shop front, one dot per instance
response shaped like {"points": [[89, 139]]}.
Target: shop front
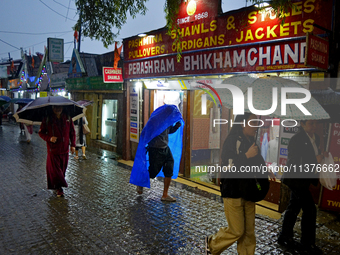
{"points": [[105, 114], [216, 46]]}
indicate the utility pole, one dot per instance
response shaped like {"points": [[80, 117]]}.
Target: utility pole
{"points": [[79, 39]]}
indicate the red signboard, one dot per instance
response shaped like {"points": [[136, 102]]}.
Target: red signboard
{"points": [[111, 75], [331, 198], [317, 52], [282, 55], [205, 30]]}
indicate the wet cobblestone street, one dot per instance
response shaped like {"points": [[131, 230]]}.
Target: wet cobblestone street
{"points": [[101, 212]]}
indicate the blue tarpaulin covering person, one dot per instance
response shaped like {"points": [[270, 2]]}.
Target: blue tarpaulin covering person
{"points": [[159, 148]]}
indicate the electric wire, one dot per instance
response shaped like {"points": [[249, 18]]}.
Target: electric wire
{"points": [[65, 6], [27, 33], [55, 11], [9, 44]]}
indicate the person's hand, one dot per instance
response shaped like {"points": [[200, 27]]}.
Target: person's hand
{"points": [[271, 176], [53, 139], [178, 124], [73, 150], [252, 151]]}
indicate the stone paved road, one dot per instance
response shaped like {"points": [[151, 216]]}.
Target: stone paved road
{"points": [[101, 213]]}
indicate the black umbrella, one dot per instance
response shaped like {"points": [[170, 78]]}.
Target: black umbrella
{"points": [[85, 102], [22, 101], [4, 100], [34, 112]]}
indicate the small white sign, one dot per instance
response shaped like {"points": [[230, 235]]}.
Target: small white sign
{"points": [[55, 49]]}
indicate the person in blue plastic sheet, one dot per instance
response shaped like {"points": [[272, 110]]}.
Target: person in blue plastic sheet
{"points": [[303, 150], [159, 148]]}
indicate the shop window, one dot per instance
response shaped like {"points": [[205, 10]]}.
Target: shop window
{"points": [[109, 121]]}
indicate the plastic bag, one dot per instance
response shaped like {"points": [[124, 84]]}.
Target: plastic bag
{"points": [[328, 177]]}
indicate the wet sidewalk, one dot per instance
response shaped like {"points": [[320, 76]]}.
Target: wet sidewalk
{"points": [[102, 214]]}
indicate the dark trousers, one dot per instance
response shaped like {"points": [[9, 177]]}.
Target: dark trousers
{"points": [[300, 199]]}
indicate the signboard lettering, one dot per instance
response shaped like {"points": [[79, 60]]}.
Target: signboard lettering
{"points": [[111, 75], [317, 52]]}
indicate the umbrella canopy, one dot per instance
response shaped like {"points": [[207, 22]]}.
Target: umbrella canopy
{"points": [[85, 102], [22, 101], [262, 95], [34, 112], [4, 100]]}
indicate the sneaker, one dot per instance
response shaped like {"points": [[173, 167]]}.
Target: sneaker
{"points": [[311, 249], [60, 192], [207, 250], [139, 190], [76, 157], [84, 157], [168, 199]]}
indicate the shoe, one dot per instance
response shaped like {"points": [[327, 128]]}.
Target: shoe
{"points": [[311, 249], [168, 199], [139, 190], [84, 157], [28, 141], [76, 157], [207, 250], [60, 192], [288, 242]]}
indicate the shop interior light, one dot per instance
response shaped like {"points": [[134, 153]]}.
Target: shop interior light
{"points": [[138, 84], [151, 36], [142, 35]]}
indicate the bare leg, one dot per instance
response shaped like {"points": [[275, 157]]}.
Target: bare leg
{"points": [[83, 150], [167, 181]]}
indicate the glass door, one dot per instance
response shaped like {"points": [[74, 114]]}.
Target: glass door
{"points": [[109, 121]]}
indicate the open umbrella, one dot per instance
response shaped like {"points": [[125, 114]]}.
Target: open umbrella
{"points": [[22, 101], [4, 100], [85, 102], [34, 112], [262, 97]]}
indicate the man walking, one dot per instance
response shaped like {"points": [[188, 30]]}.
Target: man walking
{"points": [[162, 139]]}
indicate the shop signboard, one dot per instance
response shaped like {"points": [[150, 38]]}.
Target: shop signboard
{"points": [[55, 49], [317, 52], [134, 114], [14, 83], [58, 79], [112, 75], [201, 28], [331, 198], [271, 57]]}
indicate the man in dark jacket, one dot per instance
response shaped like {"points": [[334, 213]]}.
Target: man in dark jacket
{"points": [[303, 150], [239, 204]]}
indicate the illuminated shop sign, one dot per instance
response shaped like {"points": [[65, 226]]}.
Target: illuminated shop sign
{"points": [[204, 29]]}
